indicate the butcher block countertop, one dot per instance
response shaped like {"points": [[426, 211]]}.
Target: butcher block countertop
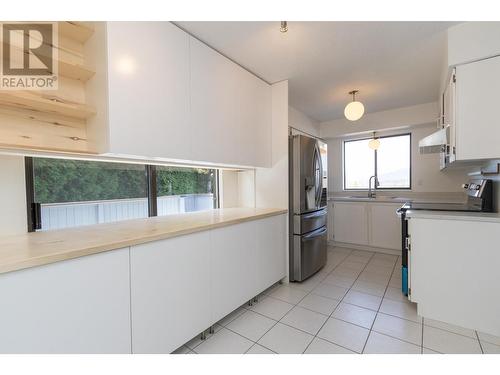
{"points": [[39, 248]]}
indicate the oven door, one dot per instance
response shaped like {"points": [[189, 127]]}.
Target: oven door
{"points": [[309, 253]]}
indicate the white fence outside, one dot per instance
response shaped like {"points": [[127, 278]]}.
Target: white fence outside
{"points": [[72, 214]]}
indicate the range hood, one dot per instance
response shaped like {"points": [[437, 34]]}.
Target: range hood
{"points": [[435, 142]]}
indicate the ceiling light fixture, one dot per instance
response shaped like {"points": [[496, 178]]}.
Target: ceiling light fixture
{"points": [[354, 110], [284, 27], [374, 143]]}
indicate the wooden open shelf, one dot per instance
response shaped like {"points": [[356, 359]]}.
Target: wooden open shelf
{"points": [[80, 31], [75, 71], [45, 104], [58, 120]]}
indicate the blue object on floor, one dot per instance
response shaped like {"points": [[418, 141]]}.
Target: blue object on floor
{"points": [[404, 278]]}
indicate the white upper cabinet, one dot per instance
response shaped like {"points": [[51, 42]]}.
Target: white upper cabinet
{"points": [[230, 110], [477, 121], [448, 119], [148, 83], [173, 97]]}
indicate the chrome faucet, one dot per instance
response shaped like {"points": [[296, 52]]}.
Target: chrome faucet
{"points": [[371, 194]]}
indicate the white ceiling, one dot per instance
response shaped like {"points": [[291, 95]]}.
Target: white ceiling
{"points": [[393, 64]]}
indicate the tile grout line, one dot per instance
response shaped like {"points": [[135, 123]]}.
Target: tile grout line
{"points": [[320, 328], [378, 310], [297, 304], [336, 307], [422, 339], [479, 341]]}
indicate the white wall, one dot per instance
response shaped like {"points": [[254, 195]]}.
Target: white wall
{"points": [[299, 120], [271, 184], [419, 121], [472, 41], [399, 118], [237, 188], [12, 195]]}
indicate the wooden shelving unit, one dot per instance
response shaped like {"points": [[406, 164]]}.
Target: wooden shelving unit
{"points": [[75, 71], [54, 120], [79, 31], [45, 104]]}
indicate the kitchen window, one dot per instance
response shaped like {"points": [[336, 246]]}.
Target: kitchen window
{"points": [[391, 163], [64, 193]]}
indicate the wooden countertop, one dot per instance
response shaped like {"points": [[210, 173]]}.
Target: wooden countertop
{"points": [[39, 248]]}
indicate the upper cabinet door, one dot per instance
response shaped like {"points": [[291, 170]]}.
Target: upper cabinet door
{"points": [[230, 111], [477, 121], [148, 89]]}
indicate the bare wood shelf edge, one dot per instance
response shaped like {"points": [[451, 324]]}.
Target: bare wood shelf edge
{"points": [[75, 71], [52, 105], [80, 31]]}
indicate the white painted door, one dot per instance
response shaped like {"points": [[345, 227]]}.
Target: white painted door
{"points": [[170, 292], [385, 226], [350, 222], [477, 120], [271, 251], [230, 110], [233, 267], [75, 306], [148, 73], [454, 272]]}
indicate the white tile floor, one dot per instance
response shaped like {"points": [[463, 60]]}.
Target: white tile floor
{"points": [[353, 305]]}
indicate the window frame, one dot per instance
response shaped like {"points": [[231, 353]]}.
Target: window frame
{"points": [[33, 212], [375, 163]]}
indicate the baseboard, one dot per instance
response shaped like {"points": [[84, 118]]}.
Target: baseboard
{"points": [[365, 248]]}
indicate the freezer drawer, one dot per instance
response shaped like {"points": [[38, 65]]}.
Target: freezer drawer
{"points": [[309, 253], [308, 222]]}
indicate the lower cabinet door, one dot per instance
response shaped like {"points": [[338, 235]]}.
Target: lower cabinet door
{"points": [[80, 305], [385, 226], [170, 292], [233, 267], [271, 251], [350, 222], [454, 272]]}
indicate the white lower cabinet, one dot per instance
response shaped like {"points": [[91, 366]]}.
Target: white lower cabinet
{"points": [[350, 222], [384, 226], [80, 305], [170, 292], [182, 286], [271, 251], [453, 268], [151, 298], [233, 267], [366, 223]]}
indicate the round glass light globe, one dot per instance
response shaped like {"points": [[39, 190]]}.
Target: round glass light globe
{"points": [[354, 111], [374, 144]]}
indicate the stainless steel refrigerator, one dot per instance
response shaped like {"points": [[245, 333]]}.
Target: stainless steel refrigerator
{"points": [[308, 212]]}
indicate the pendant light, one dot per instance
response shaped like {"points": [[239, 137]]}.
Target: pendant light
{"points": [[374, 143], [354, 110], [284, 26]]}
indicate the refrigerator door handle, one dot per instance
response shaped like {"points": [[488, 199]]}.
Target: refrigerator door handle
{"points": [[318, 174], [315, 234]]}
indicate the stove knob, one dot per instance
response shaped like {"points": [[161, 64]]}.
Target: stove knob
{"points": [[465, 186], [478, 187]]}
